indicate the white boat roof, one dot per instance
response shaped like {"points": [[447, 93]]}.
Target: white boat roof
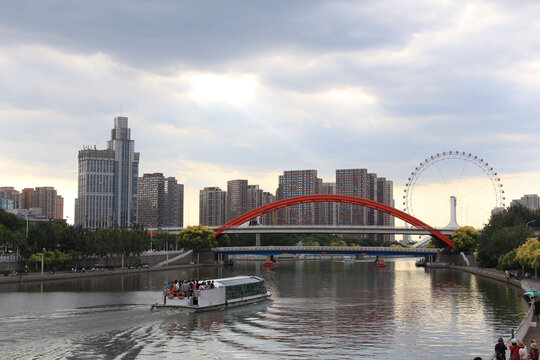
{"points": [[238, 280]]}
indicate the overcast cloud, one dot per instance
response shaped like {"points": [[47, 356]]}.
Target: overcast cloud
{"points": [[216, 91]]}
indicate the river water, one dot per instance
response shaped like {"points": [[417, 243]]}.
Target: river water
{"points": [[319, 310]]}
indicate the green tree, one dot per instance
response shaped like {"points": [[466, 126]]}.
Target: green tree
{"points": [[197, 237], [466, 239], [528, 254], [504, 232], [508, 260]]}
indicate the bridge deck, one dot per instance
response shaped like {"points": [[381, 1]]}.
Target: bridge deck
{"points": [[327, 250]]}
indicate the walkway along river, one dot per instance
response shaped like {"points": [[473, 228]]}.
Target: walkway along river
{"points": [[323, 310]]}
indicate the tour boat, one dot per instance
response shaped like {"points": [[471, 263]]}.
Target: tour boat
{"points": [[226, 293]]}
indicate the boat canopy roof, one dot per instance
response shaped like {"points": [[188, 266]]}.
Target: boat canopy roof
{"points": [[239, 280]]}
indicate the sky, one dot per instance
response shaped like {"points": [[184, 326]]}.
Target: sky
{"points": [[217, 90]]}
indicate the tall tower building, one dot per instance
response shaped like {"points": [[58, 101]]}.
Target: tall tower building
{"points": [[255, 196], [27, 198], [385, 195], [372, 193], [174, 203], [14, 197], [352, 182], [531, 201], [237, 198], [59, 214], [212, 202], [107, 193], [45, 198], [328, 210], [270, 217], [151, 199], [296, 183]]}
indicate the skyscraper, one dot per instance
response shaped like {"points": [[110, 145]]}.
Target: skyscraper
{"points": [[352, 182], [174, 202], [296, 183], [107, 193], [328, 210], [531, 201], [360, 183], [9, 193], [212, 206], [237, 198], [385, 195], [160, 201], [45, 199], [151, 199]]}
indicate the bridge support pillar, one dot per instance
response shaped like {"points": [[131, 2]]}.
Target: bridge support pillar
{"points": [[257, 239]]}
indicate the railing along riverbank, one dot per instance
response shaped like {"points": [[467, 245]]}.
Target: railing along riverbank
{"points": [[34, 277], [523, 328]]}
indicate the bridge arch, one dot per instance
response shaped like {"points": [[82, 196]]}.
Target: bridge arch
{"points": [[239, 220]]}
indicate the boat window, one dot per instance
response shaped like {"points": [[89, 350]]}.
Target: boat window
{"points": [[243, 290]]}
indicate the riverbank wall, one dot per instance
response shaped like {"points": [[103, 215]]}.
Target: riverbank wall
{"points": [[526, 330], [150, 258], [33, 277]]}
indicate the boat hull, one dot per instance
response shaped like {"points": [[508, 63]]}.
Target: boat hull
{"points": [[226, 305]]}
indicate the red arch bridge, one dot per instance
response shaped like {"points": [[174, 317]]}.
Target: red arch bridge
{"points": [[252, 214]]}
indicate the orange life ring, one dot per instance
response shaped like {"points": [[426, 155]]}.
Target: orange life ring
{"points": [[170, 295], [181, 294]]}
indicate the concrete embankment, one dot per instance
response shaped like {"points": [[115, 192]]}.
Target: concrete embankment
{"points": [[24, 278], [527, 330]]}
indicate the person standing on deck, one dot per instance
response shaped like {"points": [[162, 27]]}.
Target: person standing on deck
{"points": [[500, 349], [536, 306], [514, 350], [533, 355], [523, 355]]}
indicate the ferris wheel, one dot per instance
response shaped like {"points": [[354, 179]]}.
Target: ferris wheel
{"points": [[474, 186]]}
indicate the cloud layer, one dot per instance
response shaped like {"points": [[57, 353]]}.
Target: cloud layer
{"points": [[217, 91]]}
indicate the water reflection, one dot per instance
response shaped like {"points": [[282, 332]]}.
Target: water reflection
{"points": [[324, 310]]}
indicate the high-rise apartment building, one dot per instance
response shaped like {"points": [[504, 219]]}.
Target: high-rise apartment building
{"points": [[237, 198], [212, 209], [174, 203], [328, 210], [270, 217], [531, 201], [385, 195], [160, 201], [360, 183], [59, 213], [14, 197], [296, 183], [45, 199], [255, 196], [27, 198], [352, 182], [372, 191], [107, 193], [151, 199]]}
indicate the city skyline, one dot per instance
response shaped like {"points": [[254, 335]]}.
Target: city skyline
{"points": [[252, 90]]}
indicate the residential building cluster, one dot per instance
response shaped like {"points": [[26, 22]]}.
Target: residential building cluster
{"points": [[531, 201], [111, 193], [217, 206], [39, 203]]}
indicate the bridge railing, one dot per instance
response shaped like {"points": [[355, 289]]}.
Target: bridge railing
{"points": [[327, 248]]}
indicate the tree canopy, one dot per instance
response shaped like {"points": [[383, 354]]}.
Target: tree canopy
{"points": [[197, 237]]}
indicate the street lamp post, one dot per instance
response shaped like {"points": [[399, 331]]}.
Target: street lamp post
{"points": [[42, 253], [26, 213], [523, 267]]}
